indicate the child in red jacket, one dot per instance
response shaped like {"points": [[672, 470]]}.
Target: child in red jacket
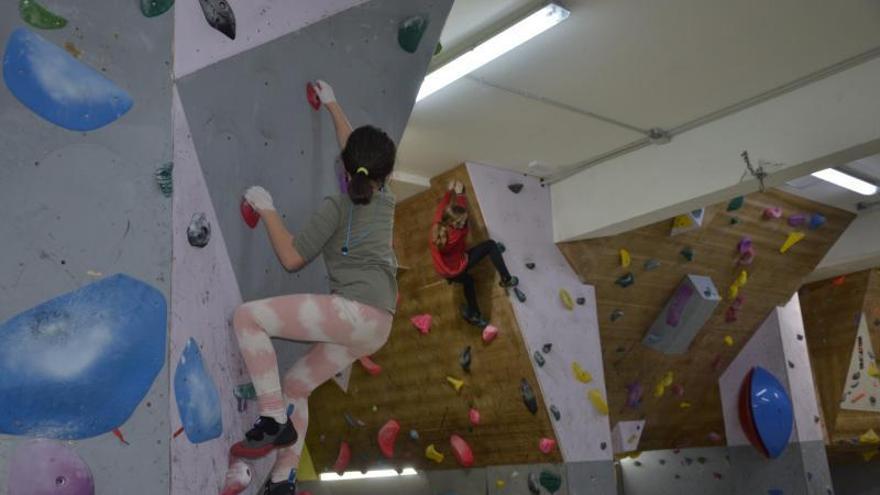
{"points": [[452, 259]]}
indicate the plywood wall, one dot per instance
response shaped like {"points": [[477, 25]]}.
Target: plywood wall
{"points": [[412, 387], [773, 278]]}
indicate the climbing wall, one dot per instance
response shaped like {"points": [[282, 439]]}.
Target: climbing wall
{"points": [[688, 408], [85, 270], [696, 471], [412, 387]]}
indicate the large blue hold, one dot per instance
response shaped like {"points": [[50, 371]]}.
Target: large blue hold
{"points": [[772, 411], [197, 397], [58, 87], [78, 365]]}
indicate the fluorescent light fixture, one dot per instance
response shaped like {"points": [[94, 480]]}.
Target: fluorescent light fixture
{"points": [[846, 181], [492, 48], [357, 475]]}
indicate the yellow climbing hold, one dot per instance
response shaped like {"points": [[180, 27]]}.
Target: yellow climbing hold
{"points": [[664, 382], [732, 291], [793, 238], [625, 258], [598, 402], [455, 382], [684, 405], [743, 278], [500, 483], [869, 437], [682, 221], [728, 341], [565, 297], [868, 455], [580, 374], [873, 371], [431, 453]]}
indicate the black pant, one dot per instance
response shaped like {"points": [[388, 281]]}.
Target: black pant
{"points": [[475, 254]]}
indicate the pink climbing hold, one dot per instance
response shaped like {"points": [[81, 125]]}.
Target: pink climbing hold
{"points": [[546, 445], [474, 416], [312, 96], [249, 214], [489, 333], [422, 322], [370, 366], [387, 437], [772, 213], [714, 437], [678, 390], [343, 458], [463, 453]]}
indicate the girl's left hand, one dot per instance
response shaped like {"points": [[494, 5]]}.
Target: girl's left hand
{"points": [[259, 198]]}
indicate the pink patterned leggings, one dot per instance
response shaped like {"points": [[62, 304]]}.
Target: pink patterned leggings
{"points": [[343, 331]]}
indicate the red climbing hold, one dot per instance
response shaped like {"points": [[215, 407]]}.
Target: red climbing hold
{"points": [[474, 416], [422, 322], [177, 433], [370, 366], [312, 96], [249, 214], [387, 437], [489, 333], [837, 282], [120, 436], [463, 453], [343, 458], [546, 445]]}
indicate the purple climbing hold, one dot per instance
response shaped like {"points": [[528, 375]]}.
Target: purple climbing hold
{"points": [[634, 394], [625, 280], [220, 16], [679, 301], [45, 467], [816, 220], [744, 245], [797, 219]]}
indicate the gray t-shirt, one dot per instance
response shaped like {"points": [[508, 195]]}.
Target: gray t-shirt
{"points": [[368, 274]]}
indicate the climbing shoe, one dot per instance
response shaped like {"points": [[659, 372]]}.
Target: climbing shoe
{"points": [[473, 317], [265, 436], [510, 282], [282, 488]]}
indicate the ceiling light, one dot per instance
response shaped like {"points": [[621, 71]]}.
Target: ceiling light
{"points": [[357, 475], [492, 48], [846, 181]]}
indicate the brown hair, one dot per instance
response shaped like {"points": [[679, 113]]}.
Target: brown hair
{"points": [[368, 156]]}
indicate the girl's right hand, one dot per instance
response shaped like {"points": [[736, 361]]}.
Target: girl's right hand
{"points": [[259, 198], [325, 92]]}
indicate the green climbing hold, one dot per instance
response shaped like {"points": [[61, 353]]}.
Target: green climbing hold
{"points": [[245, 391], [165, 179], [734, 220], [735, 203], [410, 32], [438, 48], [688, 253], [625, 280], [153, 8], [551, 481], [38, 16]]}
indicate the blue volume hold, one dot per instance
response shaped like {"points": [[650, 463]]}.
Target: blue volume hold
{"points": [[78, 365], [197, 398], [58, 87], [772, 411]]}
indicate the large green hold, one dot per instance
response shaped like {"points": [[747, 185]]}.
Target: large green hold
{"points": [[551, 481], [38, 16], [410, 33], [153, 8], [735, 203]]}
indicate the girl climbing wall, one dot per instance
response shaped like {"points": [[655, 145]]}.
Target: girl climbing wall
{"points": [[353, 232], [453, 260]]}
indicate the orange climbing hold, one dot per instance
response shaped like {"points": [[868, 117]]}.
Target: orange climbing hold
{"points": [[387, 437], [462, 451], [343, 458], [546, 445], [422, 322]]}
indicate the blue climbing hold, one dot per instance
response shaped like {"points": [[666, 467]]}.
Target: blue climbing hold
{"points": [[197, 398], [771, 410], [78, 365], [817, 220], [58, 87]]}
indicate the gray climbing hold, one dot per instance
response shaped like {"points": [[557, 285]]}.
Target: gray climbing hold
{"points": [[616, 315], [555, 412], [603, 445], [164, 178], [528, 396], [534, 487], [547, 348], [519, 294], [651, 264], [410, 32], [414, 435], [501, 246], [581, 301], [625, 280], [516, 187], [688, 253], [539, 359], [464, 359], [530, 266], [220, 16], [199, 231]]}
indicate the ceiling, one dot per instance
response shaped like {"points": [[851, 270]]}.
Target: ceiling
{"points": [[820, 191], [646, 64]]}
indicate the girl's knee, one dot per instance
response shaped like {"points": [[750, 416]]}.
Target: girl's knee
{"points": [[242, 318]]}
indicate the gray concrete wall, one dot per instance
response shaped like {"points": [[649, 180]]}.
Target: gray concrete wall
{"points": [[695, 471], [856, 479]]}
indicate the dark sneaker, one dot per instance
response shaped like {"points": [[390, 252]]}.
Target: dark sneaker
{"points": [[283, 488], [510, 282], [265, 436], [473, 317]]}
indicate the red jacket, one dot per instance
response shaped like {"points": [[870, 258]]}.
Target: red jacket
{"points": [[451, 259]]}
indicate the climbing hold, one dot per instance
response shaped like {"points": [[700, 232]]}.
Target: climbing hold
{"points": [[464, 359], [732, 291], [238, 477], [58, 87], [625, 258], [717, 475], [462, 451], [515, 188], [520, 295], [616, 315], [746, 251], [546, 445], [534, 484], [199, 231], [731, 315], [220, 16], [728, 341], [530, 266], [664, 382], [598, 402], [528, 396], [414, 435], [312, 96], [422, 322], [38, 16], [625, 280], [249, 214], [580, 374], [164, 178], [734, 220], [555, 412], [792, 239], [869, 437], [633, 394], [735, 203], [772, 213], [432, 454], [717, 362], [455, 382], [198, 399], [743, 278], [873, 370], [651, 264], [688, 253], [684, 405], [474, 416], [838, 281], [352, 421], [499, 483], [550, 481], [343, 458], [501, 246], [387, 436], [867, 456], [547, 348], [565, 297], [438, 48], [410, 32], [539, 359], [677, 390], [370, 366], [245, 391], [153, 8], [489, 333], [118, 434], [714, 437], [797, 219], [581, 301], [39, 467], [816, 220], [745, 243]]}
